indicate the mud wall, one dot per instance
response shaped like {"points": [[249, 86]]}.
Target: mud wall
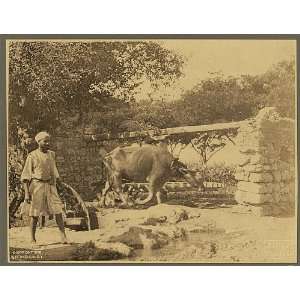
{"points": [[266, 172]]}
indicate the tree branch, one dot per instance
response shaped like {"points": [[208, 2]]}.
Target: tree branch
{"points": [[211, 154], [229, 138]]}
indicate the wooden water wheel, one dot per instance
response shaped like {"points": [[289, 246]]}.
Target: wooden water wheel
{"points": [[75, 207]]}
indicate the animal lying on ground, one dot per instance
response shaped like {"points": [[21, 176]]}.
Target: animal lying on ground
{"points": [[148, 163]]}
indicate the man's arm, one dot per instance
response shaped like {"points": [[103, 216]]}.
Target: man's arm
{"points": [[56, 174], [26, 189], [26, 177], [59, 182]]}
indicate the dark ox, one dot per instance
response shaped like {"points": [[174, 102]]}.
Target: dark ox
{"points": [[148, 163]]}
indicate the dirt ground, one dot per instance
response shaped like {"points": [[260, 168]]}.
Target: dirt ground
{"points": [[175, 233], [233, 237]]}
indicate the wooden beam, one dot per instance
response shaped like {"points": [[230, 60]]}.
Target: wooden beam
{"points": [[165, 131]]}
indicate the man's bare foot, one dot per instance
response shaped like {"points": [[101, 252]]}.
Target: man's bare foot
{"points": [[64, 240], [33, 243]]}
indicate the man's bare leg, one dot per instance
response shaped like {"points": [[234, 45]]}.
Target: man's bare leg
{"points": [[158, 197], [119, 190], [32, 226], [42, 222], [61, 227]]}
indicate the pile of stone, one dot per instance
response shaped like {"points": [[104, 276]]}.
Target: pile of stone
{"points": [[266, 171]]}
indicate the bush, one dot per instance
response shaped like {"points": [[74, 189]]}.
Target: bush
{"points": [[16, 158], [220, 173], [216, 173]]}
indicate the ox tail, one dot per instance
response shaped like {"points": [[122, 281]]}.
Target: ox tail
{"points": [[149, 197]]}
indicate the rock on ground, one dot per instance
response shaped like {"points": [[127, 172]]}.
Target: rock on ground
{"points": [[141, 238]]}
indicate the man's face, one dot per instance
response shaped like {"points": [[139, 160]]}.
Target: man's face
{"points": [[45, 143]]}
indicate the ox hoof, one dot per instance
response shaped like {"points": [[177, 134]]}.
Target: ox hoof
{"points": [[101, 203], [130, 204], [123, 205]]}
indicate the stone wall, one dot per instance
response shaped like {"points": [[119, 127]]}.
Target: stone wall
{"points": [[266, 172], [78, 163]]}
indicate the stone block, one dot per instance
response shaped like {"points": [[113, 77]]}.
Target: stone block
{"points": [[292, 171], [250, 149], [244, 160], [262, 211], [277, 176], [276, 197], [292, 188], [276, 188], [253, 168], [239, 169], [259, 168], [239, 175], [258, 159], [282, 165], [272, 210], [243, 197], [242, 175], [285, 175], [261, 177], [257, 188]]}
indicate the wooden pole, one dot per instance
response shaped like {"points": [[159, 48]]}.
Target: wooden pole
{"points": [[164, 132]]}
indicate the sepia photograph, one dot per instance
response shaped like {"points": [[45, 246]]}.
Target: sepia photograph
{"points": [[151, 151]]}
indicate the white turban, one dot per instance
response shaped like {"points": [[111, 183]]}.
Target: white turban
{"points": [[41, 135]]}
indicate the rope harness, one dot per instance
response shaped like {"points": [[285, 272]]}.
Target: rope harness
{"points": [[178, 166]]}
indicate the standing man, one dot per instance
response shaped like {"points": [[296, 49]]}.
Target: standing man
{"points": [[39, 177]]}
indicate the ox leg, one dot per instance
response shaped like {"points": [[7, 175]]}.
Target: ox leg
{"points": [[158, 197], [201, 185], [102, 196], [159, 192], [119, 191], [107, 187]]}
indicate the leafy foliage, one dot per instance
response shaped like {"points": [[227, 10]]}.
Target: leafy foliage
{"points": [[209, 143], [155, 114], [227, 99], [217, 99], [16, 158], [216, 173], [220, 173], [55, 85], [279, 87], [51, 80]]}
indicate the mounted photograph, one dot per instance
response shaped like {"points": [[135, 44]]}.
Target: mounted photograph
{"points": [[151, 151]]}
